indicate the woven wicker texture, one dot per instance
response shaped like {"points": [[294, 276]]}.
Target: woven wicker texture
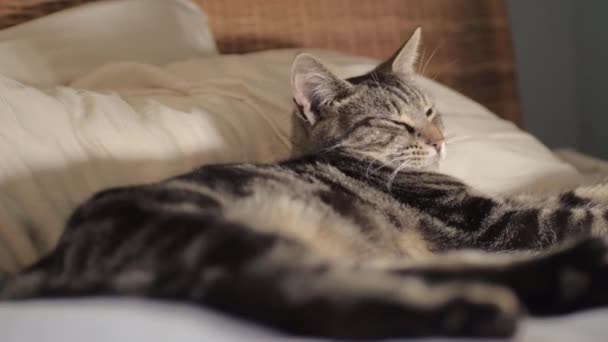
{"points": [[469, 40], [13, 12]]}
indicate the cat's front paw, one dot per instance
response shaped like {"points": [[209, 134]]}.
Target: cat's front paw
{"points": [[491, 312], [584, 277], [572, 279], [458, 309]]}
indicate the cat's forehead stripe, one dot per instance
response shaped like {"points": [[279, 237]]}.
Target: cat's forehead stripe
{"points": [[398, 93], [406, 119]]}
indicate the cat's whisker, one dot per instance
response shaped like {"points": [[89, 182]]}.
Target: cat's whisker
{"points": [[387, 164], [448, 65], [394, 173], [367, 171], [431, 57], [333, 147], [421, 59]]}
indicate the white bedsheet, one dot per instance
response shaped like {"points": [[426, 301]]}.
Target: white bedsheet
{"points": [[131, 320]]}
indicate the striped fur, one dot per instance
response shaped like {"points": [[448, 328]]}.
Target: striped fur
{"points": [[356, 238]]}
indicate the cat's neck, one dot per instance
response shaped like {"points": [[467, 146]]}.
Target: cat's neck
{"points": [[373, 164], [360, 165]]}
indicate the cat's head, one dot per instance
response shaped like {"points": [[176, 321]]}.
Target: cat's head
{"points": [[381, 115]]}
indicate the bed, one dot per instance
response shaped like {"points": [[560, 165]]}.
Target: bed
{"points": [[141, 89]]}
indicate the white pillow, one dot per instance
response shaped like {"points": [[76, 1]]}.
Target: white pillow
{"points": [[490, 153], [55, 49], [139, 123]]}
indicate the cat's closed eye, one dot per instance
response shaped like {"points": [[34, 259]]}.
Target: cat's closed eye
{"points": [[410, 129]]}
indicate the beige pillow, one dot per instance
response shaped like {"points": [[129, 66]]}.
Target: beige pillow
{"points": [[59, 47]]}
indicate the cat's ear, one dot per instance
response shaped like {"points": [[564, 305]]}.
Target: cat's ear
{"points": [[404, 60], [312, 85]]}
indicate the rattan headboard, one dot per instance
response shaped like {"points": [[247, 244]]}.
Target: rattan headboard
{"points": [[469, 39]]}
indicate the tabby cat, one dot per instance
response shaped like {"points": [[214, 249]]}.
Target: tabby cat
{"points": [[358, 237]]}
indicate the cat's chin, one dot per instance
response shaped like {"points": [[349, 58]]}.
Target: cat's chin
{"points": [[433, 165]]}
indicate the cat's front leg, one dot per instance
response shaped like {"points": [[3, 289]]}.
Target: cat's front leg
{"points": [[572, 278], [451, 220]]}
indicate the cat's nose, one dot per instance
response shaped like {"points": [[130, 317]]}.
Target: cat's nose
{"points": [[437, 144], [434, 138]]}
